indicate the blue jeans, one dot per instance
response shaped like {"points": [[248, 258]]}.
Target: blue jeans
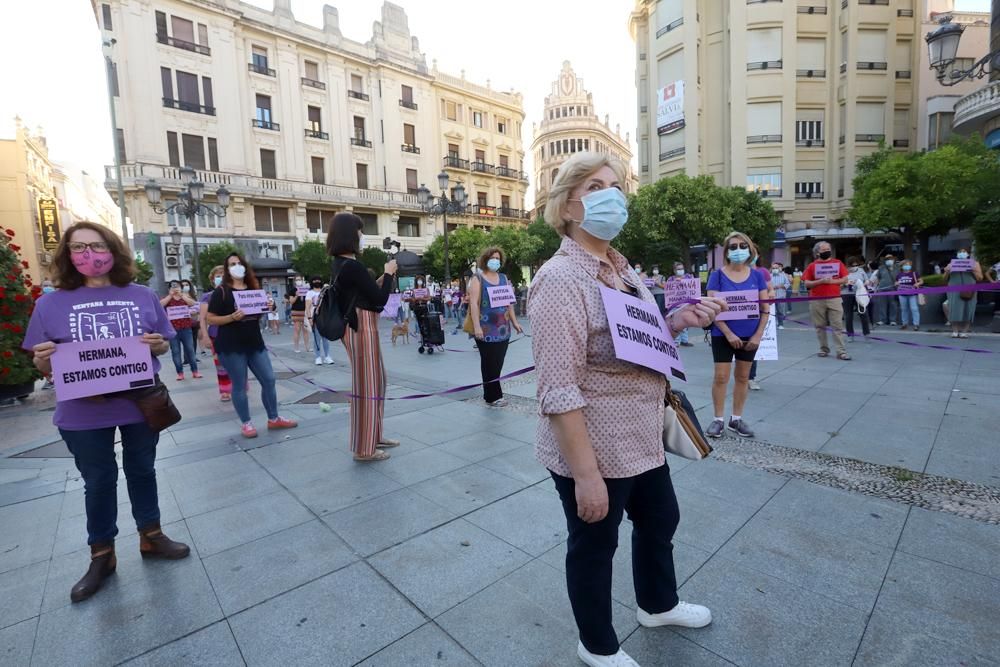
{"points": [[94, 454], [682, 337], [909, 310], [184, 339], [257, 361], [317, 340]]}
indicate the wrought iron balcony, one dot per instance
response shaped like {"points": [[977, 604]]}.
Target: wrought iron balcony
{"points": [[764, 139], [765, 64], [261, 69], [810, 143], [313, 83], [183, 44], [507, 172], [772, 193], [317, 134], [811, 73], [867, 65], [264, 124], [812, 9], [869, 138], [904, 12], [358, 95], [482, 167], [455, 162], [361, 141], [409, 148], [807, 195], [672, 26], [409, 104], [672, 153], [873, 2], [193, 107], [903, 74]]}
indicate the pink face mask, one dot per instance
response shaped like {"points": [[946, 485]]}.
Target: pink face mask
{"points": [[93, 264]]}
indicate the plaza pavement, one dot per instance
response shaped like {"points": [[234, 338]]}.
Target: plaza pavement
{"points": [[451, 553]]}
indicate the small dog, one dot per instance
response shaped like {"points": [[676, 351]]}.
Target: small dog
{"points": [[401, 331]]}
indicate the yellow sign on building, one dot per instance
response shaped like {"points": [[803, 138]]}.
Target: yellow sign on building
{"points": [[48, 222]]}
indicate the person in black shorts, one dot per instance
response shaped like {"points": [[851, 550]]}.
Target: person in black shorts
{"points": [[735, 338]]}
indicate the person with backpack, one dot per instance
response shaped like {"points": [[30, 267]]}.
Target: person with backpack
{"points": [[359, 299]]}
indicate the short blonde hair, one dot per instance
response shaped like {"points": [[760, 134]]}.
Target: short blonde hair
{"points": [[740, 236], [572, 173]]}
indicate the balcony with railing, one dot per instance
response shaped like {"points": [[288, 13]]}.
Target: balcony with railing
{"points": [[810, 73], [313, 83], [358, 95], [904, 74], [810, 143], [183, 44], [900, 143], [672, 153], [316, 134], [260, 68], [265, 124], [482, 167], [904, 13], [361, 142], [975, 109], [771, 193], [869, 66], [764, 139], [409, 104], [764, 65], [812, 9], [409, 148], [455, 162], [868, 138], [193, 107], [508, 172], [670, 26], [804, 195]]}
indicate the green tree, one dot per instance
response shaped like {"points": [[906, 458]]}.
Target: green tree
{"points": [[520, 249], [754, 216], [211, 256], [464, 246], [986, 234], [310, 260], [549, 241], [374, 259], [143, 272]]}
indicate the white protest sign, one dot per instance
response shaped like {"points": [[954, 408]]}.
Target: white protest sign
{"points": [[178, 312], [827, 270], [640, 335], [768, 350], [251, 301], [501, 295], [743, 305]]}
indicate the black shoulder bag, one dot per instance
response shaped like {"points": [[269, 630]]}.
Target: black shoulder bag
{"points": [[327, 318]]}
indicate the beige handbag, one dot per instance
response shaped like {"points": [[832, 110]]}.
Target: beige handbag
{"points": [[682, 434]]}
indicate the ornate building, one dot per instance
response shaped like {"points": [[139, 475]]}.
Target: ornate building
{"points": [[569, 125]]}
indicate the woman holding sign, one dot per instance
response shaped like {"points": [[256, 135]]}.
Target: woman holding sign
{"points": [[739, 335], [97, 301], [602, 418], [492, 318], [240, 345], [963, 270], [178, 306]]}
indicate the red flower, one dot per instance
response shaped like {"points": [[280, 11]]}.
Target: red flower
{"points": [[24, 264], [15, 247], [8, 354], [16, 328], [20, 297], [10, 233]]}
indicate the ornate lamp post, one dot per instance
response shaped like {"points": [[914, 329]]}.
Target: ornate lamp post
{"points": [[189, 204], [442, 205], [942, 49]]}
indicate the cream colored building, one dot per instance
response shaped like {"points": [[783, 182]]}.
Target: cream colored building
{"points": [[26, 176], [979, 110], [83, 198], [937, 102], [299, 122], [778, 97], [570, 124]]}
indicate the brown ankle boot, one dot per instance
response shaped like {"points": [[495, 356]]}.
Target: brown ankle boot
{"points": [[154, 544], [102, 565]]}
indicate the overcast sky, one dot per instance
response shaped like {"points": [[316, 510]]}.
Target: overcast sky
{"points": [[53, 74]]}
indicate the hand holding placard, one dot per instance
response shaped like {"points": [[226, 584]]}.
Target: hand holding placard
{"points": [[640, 335], [960, 265], [741, 305], [93, 368], [250, 301]]}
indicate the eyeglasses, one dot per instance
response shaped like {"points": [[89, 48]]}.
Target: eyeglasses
{"points": [[97, 246], [739, 246]]}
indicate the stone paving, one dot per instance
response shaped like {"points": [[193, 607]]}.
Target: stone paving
{"points": [[451, 552]]}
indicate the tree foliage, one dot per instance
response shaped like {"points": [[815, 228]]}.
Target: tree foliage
{"points": [[986, 234], [464, 246], [311, 261], [549, 241], [143, 272], [211, 256], [373, 258]]}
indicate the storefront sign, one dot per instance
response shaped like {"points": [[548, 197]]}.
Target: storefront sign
{"points": [[670, 108], [48, 222], [640, 335], [95, 367]]}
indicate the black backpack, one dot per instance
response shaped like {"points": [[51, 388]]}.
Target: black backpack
{"points": [[327, 318]]}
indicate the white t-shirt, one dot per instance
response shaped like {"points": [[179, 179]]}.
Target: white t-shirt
{"points": [[311, 296]]}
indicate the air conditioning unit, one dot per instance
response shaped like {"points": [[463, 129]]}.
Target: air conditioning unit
{"points": [[172, 261], [172, 249]]}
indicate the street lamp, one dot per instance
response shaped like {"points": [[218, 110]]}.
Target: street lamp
{"points": [[189, 204], [443, 204], [942, 49]]}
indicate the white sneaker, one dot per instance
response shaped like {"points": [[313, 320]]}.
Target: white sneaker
{"points": [[620, 659], [781, 326], [685, 615], [499, 403], [319, 361], [328, 361], [754, 385]]}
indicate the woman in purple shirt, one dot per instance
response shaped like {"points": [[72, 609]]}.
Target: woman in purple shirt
{"points": [[96, 299]]}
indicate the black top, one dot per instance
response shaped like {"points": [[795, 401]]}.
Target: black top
{"points": [[242, 336], [298, 302], [354, 282]]}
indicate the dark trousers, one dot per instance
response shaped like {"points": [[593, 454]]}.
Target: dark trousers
{"points": [[491, 356], [652, 507], [850, 308], [94, 454]]}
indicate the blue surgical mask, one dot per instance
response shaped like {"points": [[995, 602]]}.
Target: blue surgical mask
{"points": [[907, 267], [739, 256], [493, 264], [48, 289], [963, 255], [604, 213], [217, 280]]}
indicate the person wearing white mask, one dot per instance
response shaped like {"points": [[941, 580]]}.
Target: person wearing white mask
{"points": [[656, 287], [601, 427], [962, 305], [680, 274]]}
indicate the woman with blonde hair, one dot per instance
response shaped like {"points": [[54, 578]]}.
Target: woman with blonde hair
{"points": [[601, 427], [735, 338], [491, 325]]}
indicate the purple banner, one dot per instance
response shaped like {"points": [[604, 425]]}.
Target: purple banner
{"points": [[640, 335], [96, 367], [678, 290], [501, 295], [178, 312], [743, 305], [301, 290], [420, 293], [251, 301], [392, 306]]}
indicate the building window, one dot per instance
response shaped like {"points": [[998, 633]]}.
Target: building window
{"points": [[319, 174], [408, 226], [173, 152], [453, 151], [409, 135], [450, 110], [258, 56], [120, 138], [939, 129], [263, 110], [213, 154], [767, 184], [477, 118], [764, 48], [369, 223], [505, 204], [555, 172], [808, 188], [268, 168], [411, 181], [502, 125], [809, 132], [312, 70], [357, 84], [406, 97], [318, 220], [359, 128], [270, 219], [106, 17], [315, 123], [194, 150], [361, 170], [481, 199], [187, 89]]}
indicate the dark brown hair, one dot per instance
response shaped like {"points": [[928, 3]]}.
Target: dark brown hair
{"points": [[854, 259], [489, 252], [64, 274], [342, 238], [250, 279]]}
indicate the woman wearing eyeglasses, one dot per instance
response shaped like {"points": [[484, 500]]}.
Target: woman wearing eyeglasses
{"points": [[737, 339], [96, 300]]}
